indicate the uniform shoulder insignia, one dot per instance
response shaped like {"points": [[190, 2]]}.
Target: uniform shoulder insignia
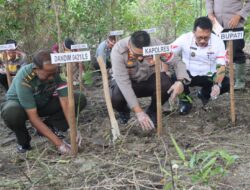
{"points": [[29, 77]]}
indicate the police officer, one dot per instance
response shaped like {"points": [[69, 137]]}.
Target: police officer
{"points": [[134, 77], [232, 15]]}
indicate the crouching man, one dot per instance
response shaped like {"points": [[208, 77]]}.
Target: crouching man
{"points": [[38, 92], [134, 77], [204, 55]]}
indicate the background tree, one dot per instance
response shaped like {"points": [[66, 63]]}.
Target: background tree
{"points": [[33, 23]]}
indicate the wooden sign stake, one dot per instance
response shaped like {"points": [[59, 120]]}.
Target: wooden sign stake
{"points": [[113, 121], [116, 33], [71, 57], [71, 111], [158, 93], [231, 74], [230, 36], [156, 51]]}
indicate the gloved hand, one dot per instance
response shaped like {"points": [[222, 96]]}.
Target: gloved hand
{"points": [[78, 137], [64, 148], [215, 91], [176, 89], [145, 121]]}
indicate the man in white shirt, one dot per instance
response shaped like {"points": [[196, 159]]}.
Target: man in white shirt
{"points": [[204, 56]]}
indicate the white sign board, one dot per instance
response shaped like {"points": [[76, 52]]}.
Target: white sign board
{"points": [[79, 46], [232, 35], [7, 47], [151, 30], [116, 33], [155, 50], [70, 57]]}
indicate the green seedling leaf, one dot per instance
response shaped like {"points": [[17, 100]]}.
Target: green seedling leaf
{"points": [[217, 170], [206, 173], [208, 156], [87, 77], [210, 163], [230, 159], [168, 186], [195, 178], [192, 161], [179, 151]]}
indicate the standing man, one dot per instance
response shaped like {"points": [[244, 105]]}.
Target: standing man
{"points": [[134, 77], [232, 14], [36, 92], [15, 59], [204, 55], [104, 50]]}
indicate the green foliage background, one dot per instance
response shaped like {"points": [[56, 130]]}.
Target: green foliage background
{"points": [[32, 22]]}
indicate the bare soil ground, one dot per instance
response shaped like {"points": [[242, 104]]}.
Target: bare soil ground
{"points": [[138, 160]]}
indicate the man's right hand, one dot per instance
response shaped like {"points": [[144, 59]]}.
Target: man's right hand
{"points": [[212, 18], [64, 148], [145, 121], [176, 89]]}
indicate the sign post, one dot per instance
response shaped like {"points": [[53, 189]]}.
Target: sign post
{"points": [[156, 51], [113, 121], [79, 46], [71, 57], [150, 30], [116, 33], [6, 47], [230, 36], [81, 67]]}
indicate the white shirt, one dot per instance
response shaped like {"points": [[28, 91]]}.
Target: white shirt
{"points": [[200, 60]]}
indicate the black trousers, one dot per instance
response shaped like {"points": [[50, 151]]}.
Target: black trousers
{"points": [[15, 116], [142, 89], [3, 81], [206, 82], [238, 46]]}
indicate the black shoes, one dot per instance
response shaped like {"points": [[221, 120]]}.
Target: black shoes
{"points": [[23, 148], [185, 104], [123, 117], [185, 108], [203, 99]]}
